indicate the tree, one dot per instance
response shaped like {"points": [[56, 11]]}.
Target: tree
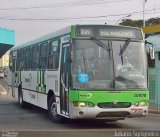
{"points": [[139, 23], [153, 21]]}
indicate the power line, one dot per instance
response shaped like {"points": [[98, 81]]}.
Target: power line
{"points": [[69, 4], [75, 18]]}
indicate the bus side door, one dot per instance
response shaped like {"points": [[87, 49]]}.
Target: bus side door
{"points": [[64, 78]]}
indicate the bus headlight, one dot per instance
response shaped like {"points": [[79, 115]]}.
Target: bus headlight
{"points": [[83, 104], [144, 103], [79, 104], [136, 104], [141, 103]]}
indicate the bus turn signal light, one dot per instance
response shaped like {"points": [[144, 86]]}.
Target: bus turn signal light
{"points": [[75, 104]]}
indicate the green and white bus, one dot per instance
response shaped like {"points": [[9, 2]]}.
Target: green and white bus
{"points": [[80, 72]]}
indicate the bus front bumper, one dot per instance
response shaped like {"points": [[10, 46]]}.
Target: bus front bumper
{"points": [[109, 113]]}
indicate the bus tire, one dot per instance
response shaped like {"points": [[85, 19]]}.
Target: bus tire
{"points": [[52, 110], [21, 102]]}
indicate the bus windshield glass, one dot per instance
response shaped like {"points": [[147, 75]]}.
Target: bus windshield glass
{"points": [[95, 68]]}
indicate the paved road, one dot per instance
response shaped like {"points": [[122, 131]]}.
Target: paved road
{"points": [[34, 121]]}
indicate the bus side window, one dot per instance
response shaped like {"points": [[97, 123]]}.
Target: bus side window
{"points": [[50, 62], [20, 60], [35, 57], [53, 56], [11, 61], [43, 56], [27, 64]]}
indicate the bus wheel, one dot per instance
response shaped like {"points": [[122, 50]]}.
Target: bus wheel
{"points": [[20, 99], [52, 110]]}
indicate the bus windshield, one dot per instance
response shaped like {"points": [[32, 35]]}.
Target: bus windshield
{"points": [[95, 68]]}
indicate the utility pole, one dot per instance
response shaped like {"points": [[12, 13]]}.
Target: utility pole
{"points": [[144, 2]]}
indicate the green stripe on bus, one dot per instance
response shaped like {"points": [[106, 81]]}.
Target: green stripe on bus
{"points": [[37, 75], [40, 81], [107, 96]]}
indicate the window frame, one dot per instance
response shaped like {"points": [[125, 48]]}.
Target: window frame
{"points": [[28, 58], [35, 57], [55, 54], [43, 57]]}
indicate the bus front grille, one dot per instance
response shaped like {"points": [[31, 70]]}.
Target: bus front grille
{"points": [[112, 114], [114, 105]]}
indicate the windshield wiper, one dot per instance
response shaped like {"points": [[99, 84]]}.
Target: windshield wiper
{"points": [[101, 44], [122, 50]]}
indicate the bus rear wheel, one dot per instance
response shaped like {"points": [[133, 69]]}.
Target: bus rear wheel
{"points": [[52, 110]]}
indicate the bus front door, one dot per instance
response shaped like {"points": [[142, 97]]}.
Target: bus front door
{"points": [[65, 71]]}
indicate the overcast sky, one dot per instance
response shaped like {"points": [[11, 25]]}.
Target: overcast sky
{"points": [[33, 18]]}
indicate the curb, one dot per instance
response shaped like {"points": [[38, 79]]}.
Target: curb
{"points": [[154, 111]]}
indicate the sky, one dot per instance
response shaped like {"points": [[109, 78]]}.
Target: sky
{"points": [[31, 19]]}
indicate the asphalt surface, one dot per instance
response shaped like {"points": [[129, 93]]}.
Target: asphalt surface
{"points": [[34, 121]]}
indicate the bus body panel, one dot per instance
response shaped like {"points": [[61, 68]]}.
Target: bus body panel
{"points": [[52, 81], [26, 95], [107, 114], [99, 104], [42, 100], [109, 96]]}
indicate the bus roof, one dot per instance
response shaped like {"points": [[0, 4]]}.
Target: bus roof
{"points": [[63, 32], [43, 38]]}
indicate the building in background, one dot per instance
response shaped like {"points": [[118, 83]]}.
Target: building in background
{"points": [[4, 61], [7, 40], [153, 45]]}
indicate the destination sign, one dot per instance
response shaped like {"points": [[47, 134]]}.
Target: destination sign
{"points": [[108, 31], [117, 33], [86, 31]]}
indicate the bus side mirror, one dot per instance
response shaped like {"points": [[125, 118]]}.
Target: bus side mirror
{"points": [[151, 52]]}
